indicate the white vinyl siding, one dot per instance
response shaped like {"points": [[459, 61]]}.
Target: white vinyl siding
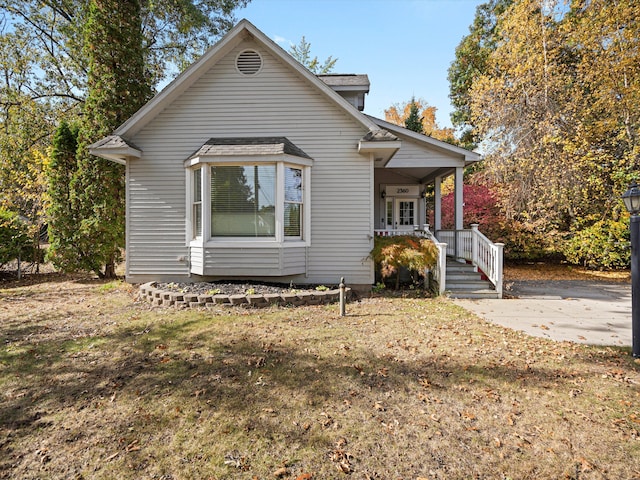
{"points": [[259, 263], [274, 102], [196, 258]]}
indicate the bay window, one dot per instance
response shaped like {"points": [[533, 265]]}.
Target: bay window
{"points": [[240, 203], [248, 192]]}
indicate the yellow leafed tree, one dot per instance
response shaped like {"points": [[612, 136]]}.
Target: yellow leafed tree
{"points": [[399, 112]]}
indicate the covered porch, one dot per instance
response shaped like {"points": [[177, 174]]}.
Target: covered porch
{"points": [[403, 187]]}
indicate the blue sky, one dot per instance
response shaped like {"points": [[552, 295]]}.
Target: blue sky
{"points": [[405, 46]]}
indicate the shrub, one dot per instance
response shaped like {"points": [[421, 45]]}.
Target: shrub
{"points": [[480, 206], [602, 245], [526, 241], [413, 253], [14, 239]]}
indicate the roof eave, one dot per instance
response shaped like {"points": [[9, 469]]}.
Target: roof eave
{"points": [[117, 155], [381, 150], [249, 157]]}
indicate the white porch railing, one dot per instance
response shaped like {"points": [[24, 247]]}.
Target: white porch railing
{"points": [[472, 245], [440, 269]]}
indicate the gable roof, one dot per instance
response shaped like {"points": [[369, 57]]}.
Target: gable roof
{"points": [[236, 35], [426, 140]]}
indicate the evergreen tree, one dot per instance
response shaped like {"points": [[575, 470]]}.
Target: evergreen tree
{"points": [[414, 120], [399, 113], [61, 211], [302, 53], [116, 89]]}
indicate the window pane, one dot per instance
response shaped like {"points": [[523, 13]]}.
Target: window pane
{"points": [[292, 215], [197, 185], [197, 203], [406, 213], [243, 201], [197, 219], [292, 185]]}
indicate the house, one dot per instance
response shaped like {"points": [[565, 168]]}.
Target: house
{"points": [[249, 166]]}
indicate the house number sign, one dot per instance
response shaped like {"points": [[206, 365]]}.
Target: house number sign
{"points": [[403, 190]]}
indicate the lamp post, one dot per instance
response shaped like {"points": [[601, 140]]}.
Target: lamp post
{"points": [[631, 200]]}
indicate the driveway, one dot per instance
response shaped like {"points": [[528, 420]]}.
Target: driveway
{"points": [[583, 311]]}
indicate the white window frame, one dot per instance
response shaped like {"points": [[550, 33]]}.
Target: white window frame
{"points": [[290, 238], [194, 202], [279, 240]]}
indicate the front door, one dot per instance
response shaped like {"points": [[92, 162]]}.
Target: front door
{"points": [[401, 213], [406, 211]]}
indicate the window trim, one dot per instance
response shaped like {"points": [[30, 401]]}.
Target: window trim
{"points": [[286, 202], [277, 241], [194, 203]]}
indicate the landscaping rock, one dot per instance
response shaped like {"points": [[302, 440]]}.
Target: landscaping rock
{"points": [[200, 295]]}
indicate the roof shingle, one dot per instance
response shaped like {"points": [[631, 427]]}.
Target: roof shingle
{"points": [[249, 146]]}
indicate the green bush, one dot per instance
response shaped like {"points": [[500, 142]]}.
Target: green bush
{"points": [[524, 241], [602, 245], [14, 239]]}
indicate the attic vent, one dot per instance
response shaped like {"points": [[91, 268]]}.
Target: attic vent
{"points": [[249, 62]]}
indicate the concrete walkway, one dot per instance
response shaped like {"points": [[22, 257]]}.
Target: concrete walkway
{"points": [[583, 311]]}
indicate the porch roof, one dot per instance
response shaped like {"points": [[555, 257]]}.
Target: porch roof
{"points": [[422, 158]]}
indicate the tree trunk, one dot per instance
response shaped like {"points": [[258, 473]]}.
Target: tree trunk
{"points": [[110, 270]]}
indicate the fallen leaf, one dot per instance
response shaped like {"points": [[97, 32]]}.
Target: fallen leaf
{"points": [[281, 472], [344, 467], [468, 415]]}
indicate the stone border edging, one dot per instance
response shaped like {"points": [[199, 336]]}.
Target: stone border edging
{"points": [[164, 298]]}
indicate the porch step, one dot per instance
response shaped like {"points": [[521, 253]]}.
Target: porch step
{"points": [[475, 294], [463, 281]]}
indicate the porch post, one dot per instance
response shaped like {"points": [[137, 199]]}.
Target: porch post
{"points": [[437, 205], [459, 201], [422, 209]]}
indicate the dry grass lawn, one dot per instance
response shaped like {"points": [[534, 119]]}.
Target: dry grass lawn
{"points": [[94, 385]]}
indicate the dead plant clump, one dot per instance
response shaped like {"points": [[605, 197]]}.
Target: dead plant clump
{"points": [[95, 385]]}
